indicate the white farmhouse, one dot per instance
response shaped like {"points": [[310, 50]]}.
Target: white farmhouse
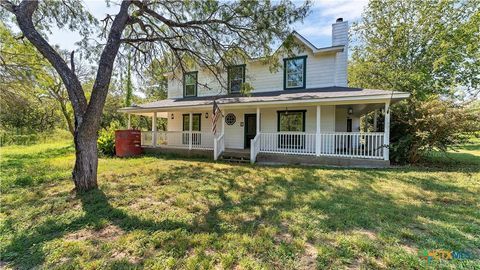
{"points": [[303, 113]]}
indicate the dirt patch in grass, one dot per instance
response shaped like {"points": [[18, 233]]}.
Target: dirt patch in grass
{"points": [[309, 257], [369, 234], [108, 233]]}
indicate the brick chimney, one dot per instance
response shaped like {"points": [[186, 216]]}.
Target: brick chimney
{"points": [[340, 37]]}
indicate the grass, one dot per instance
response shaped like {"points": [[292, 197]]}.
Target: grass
{"points": [[169, 213]]}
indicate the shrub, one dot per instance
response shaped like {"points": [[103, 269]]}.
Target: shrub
{"points": [[435, 124], [106, 139]]}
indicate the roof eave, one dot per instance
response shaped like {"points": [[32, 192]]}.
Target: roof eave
{"points": [[395, 97]]}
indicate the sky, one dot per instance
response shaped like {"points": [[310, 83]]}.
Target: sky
{"points": [[317, 27]]}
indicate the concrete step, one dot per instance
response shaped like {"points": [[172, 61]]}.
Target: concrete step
{"points": [[236, 154], [235, 159]]}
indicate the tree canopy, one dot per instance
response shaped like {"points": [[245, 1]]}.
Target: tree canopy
{"points": [[430, 49], [417, 46], [202, 32]]}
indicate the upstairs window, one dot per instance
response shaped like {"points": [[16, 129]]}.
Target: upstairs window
{"points": [[190, 84], [236, 77], [294, 72]]}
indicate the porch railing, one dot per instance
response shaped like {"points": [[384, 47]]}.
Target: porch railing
{"points": [[352, 144], [337, 144], [299, 143], [218, 146], [179, 139], [255, 148]]}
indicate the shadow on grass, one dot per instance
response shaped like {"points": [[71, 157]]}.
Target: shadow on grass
{"points": [[26, 249], [306, 201]]}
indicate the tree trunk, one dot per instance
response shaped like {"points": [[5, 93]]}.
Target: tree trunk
{"points": [[87, 114], [86, 163]]}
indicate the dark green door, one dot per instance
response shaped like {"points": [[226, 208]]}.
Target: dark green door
{"points": [[250, 128]]}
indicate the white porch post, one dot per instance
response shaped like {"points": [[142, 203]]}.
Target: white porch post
{"points": [[154, 129], [258, 120], [365, 116], [317, 135], [223, 122], [190, 124], [129, 124], [386, 132], [375, 121]]}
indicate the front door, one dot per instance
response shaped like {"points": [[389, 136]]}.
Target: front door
{"points": [[349, 125], [250, 128], [349, 129]]}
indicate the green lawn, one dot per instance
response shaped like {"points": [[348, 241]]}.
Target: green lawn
{"points": [[166, 212]]}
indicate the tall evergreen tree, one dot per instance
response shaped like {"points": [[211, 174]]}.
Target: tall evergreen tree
{"points": [[128, 83]]}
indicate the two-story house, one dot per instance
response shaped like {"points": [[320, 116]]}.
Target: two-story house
{"points": [[302, 113]]}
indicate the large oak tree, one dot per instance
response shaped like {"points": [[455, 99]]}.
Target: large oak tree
{"points": [[201, 32]]}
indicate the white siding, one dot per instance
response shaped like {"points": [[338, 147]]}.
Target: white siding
{"points": [[322, 71], [176, 124], [208, 85], [175, 88], [234, 134], [328, 118], [341, 120]]}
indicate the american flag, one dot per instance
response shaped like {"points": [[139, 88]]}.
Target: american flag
{"points": [[216, 113]]}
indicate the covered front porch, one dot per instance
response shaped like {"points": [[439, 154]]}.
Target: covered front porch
{"points": [[344, 130]]}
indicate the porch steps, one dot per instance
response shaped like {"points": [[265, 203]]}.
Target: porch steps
{"points": [[235, 156]]}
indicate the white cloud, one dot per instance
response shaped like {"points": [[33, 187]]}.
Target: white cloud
{"points": [[311, 30], [347, 9], [317, 27]]}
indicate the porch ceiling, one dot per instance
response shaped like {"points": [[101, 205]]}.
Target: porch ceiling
{"points": [[326, 95], [361, 109]]}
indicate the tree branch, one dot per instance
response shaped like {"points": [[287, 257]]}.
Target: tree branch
{"points": [[72, 61], [104, 72], [24, 13], [8, 6]]}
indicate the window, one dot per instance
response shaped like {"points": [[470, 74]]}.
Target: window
{"points": [[294, 72], [196, 126], [230, 119], [190, 84], [294, 122], [236, 77]]}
